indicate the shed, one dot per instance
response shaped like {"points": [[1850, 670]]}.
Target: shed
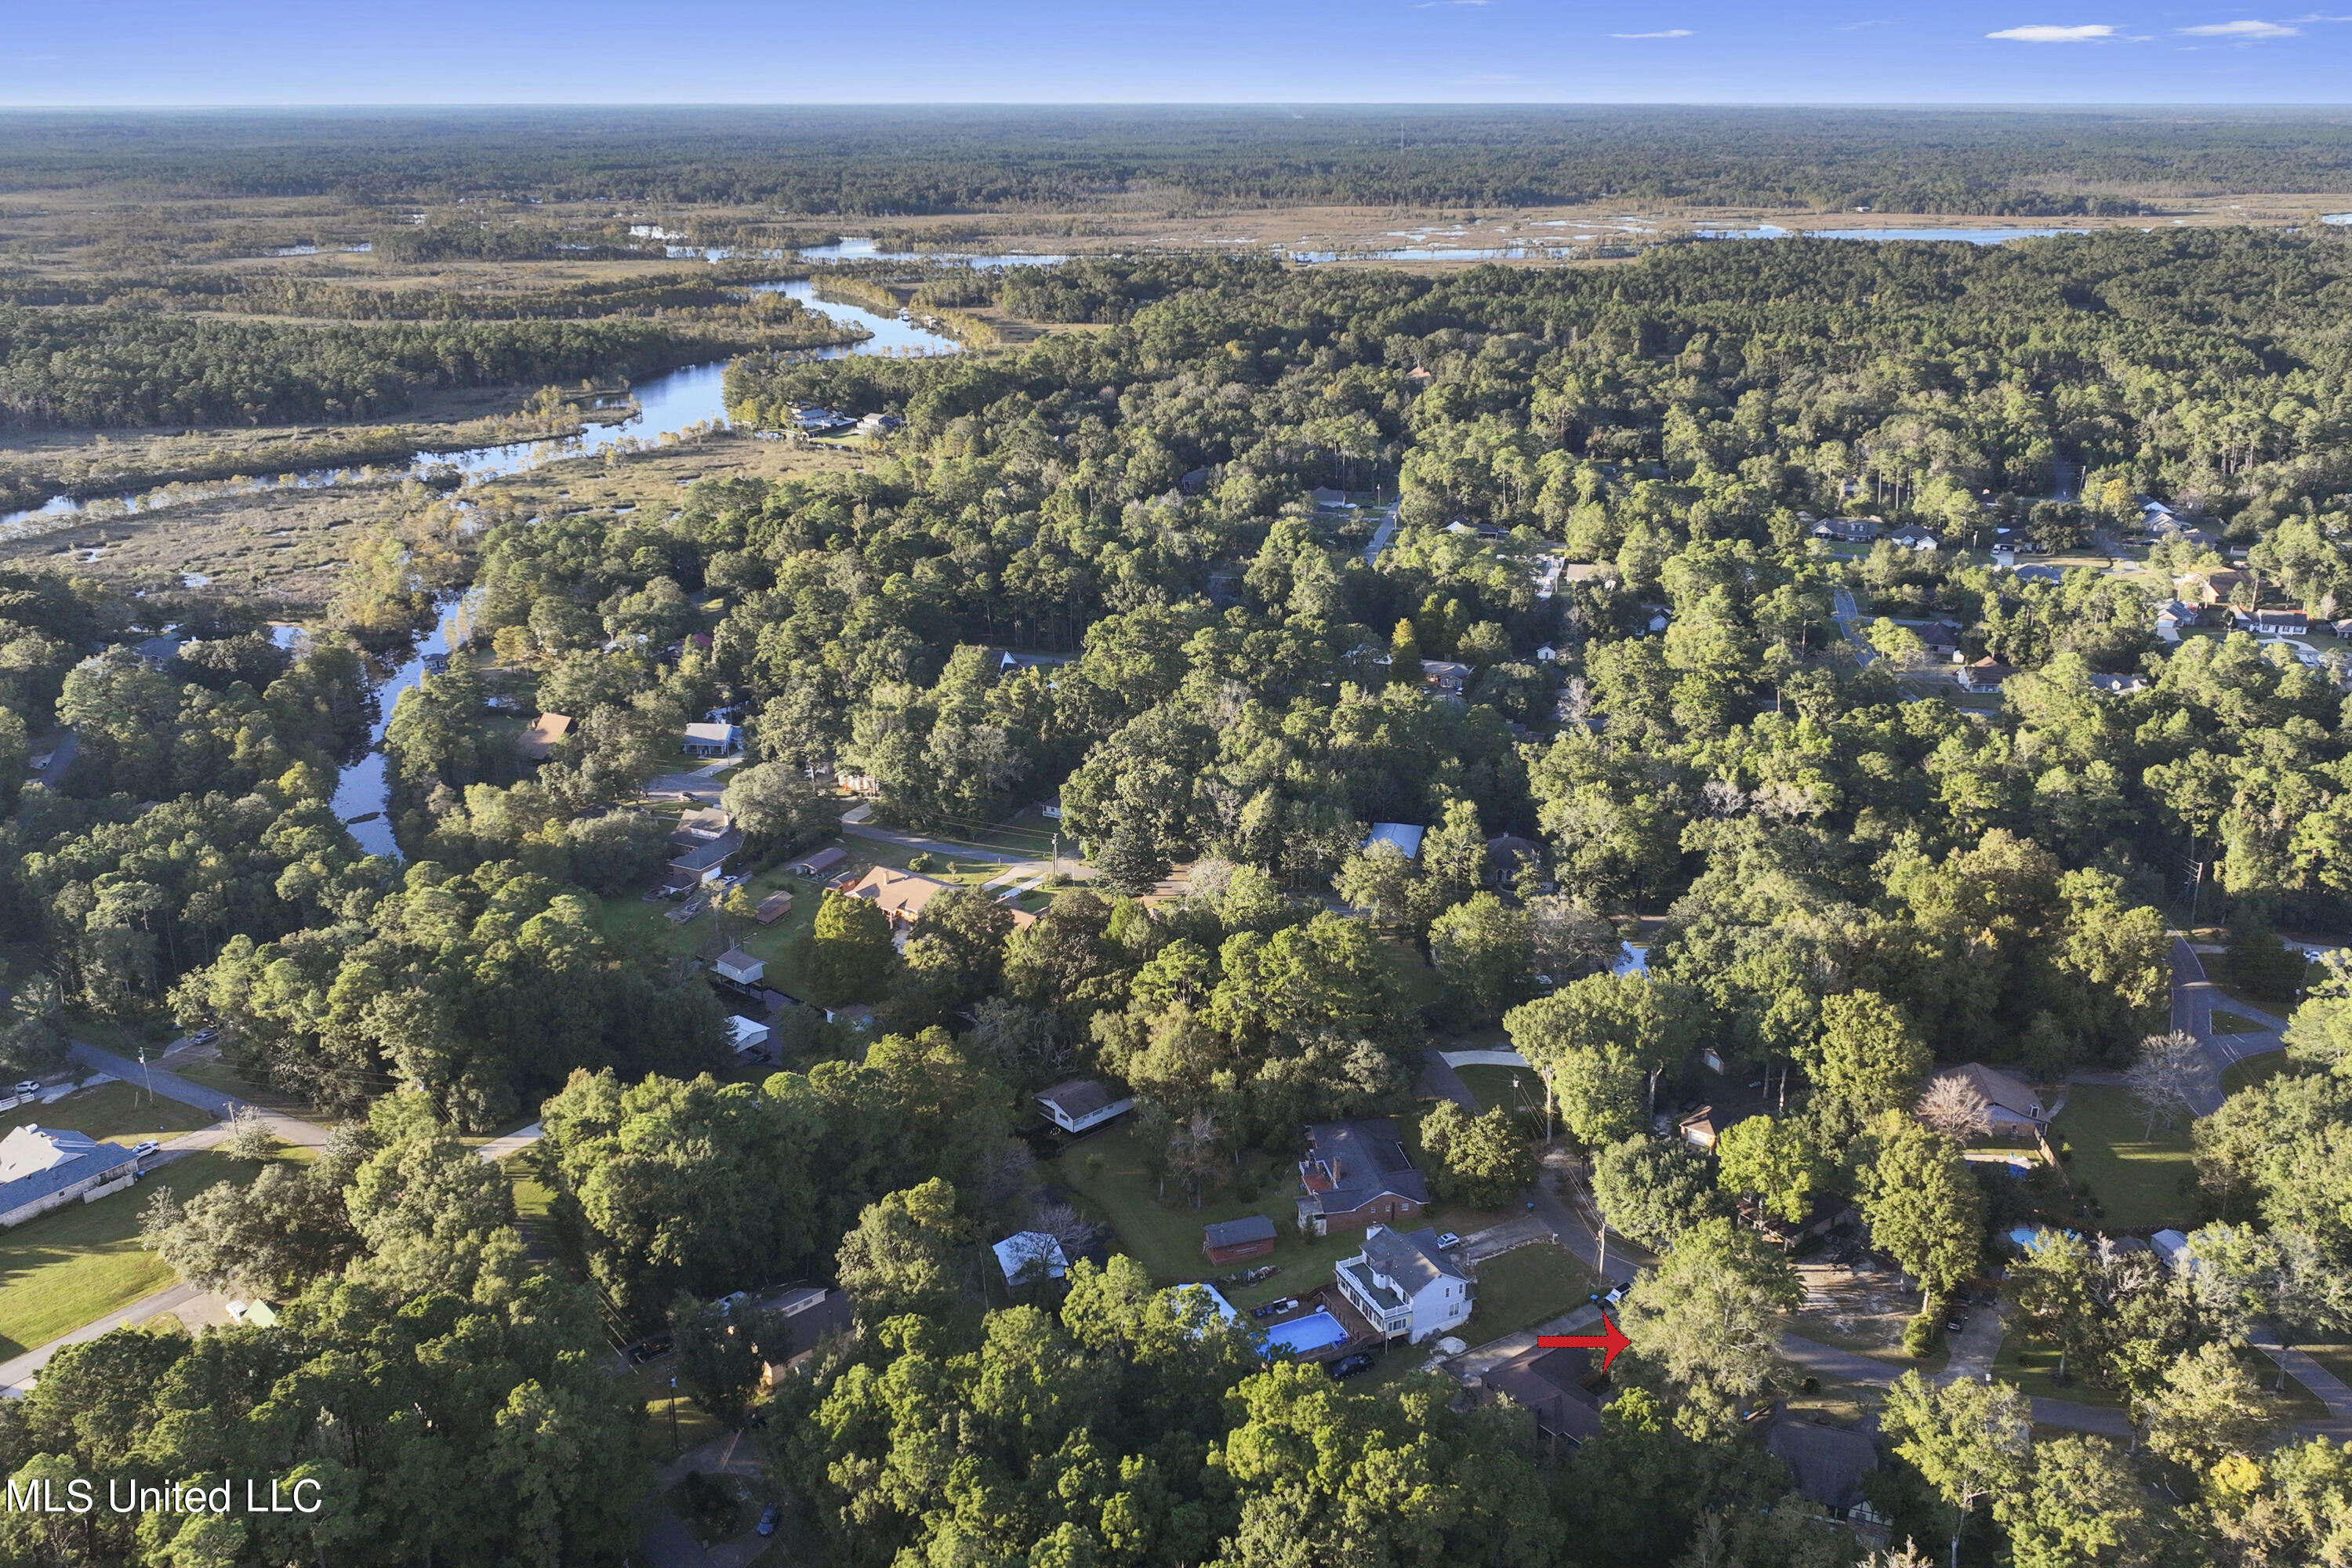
{"points": [[818, 864], [1229, 1241], [539, 741], [738, 966], [773, 907], [1029, 1256], [750, 1034]]}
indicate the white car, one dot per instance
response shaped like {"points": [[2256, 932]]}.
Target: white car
{"points": [[141, 1151]]}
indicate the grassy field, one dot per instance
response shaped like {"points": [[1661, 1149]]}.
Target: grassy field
{"points": [[1517, 1087], [215, 1074], [84, 1260], [1164, 1235], [115, 1111], [1525, 1287], [2253, 1071], [2029, 1364], [693, 1426], [2227, 1023], [2144, 1181]]}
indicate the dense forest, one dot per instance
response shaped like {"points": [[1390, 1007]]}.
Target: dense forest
{"points": [[905, 161], [1643, 709]]}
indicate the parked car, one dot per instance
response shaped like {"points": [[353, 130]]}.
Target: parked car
{"points": [[1447, 1240], [728, 1302], [141, 1151], [1276, 1309], [30, 1086], [769, 1518], [647, 1349], [1615, 1295], [1349, 1366]]}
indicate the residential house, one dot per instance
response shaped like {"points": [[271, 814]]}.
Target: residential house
{"points": [[42, 1168], [1937, 638], [538, 742], [1445, 677], [1507, 854], [1356, 1173], [739, 967], [773, 907], [1702, 1127], [2213, 587], [810, 1314], [1007, 662], [2173, 617], [903, 895], [1403, 835], [1417, 377], [1028, 1256], [1406, 1286], [1846, 529], [2277, 623], [818, 864], [1083, 1104], [1655, 617], [702, 861], [2010, 1100], [1825, 1213], [1826, 1466], [158, 651], [1911, 536], [879, 424], [1251, 1236], [1556, 1386], [712, 740], [2118, 685], [2050, 575], [1985, 675], [1194, 482], [1326, 499]]}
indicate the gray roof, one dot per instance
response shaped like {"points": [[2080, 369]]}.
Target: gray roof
{"points": [[1364, 1159], [99, 1159], [704, 857], [1413, 1261], [1826, 1463], [1239, 1232], [1077, 1097], [1551, 1383]]}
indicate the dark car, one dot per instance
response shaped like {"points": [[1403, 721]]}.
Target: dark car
{"points": [[646, 1350], [1349, 1366]]}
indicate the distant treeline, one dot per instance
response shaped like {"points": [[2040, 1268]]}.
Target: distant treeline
{"points": [[899, 161], [115, 368]]}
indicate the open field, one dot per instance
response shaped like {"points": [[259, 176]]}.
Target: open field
{"points": [[2143, 1181], [1525, 1287], [118, 1112], [84, 1260], [2253, 1071], [2032, 1366]]}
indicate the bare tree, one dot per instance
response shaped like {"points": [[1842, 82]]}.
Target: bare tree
{"points": [[1193, 1153], [2170, 1071], [1065, 1224], [1569, 938], [1956, 1108]]}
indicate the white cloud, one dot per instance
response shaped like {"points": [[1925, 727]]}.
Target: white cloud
{"points": [[1669, 33], [2245, 29], [2090, 34]]}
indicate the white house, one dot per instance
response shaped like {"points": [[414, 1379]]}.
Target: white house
{"points": [[1029, 1256], [42, 1168], [750, 1034], [1406, 1285], [1082, 1104], [1911, 536], [712, 740]]}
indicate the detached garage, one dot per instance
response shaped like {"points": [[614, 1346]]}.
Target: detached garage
{"points": [[1251, 1236]]}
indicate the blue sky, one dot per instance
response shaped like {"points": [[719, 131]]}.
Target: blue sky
{"points": [[1095, 51]]}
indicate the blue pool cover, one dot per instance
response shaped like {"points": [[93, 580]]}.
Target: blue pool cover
{"points": [[1315, 1331]]}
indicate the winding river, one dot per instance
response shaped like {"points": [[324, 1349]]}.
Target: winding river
{"points": [[667, 404]]}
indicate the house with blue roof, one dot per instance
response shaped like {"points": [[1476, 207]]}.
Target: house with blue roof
{"points": [[42, 1168]]}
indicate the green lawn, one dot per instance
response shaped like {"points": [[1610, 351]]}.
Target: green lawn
{"points": [[1164, 1235], [1524, 1287], [2144, 1181], [2227, 1023], [116, 1111], [122, 1039], [82, 1261], [1517, 1088], [2029, 1363], [2253, 1071], [693, 1426], [219, 1075]]}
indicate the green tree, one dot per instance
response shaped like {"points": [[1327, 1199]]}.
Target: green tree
{"points": [[1709, 1318], [2081, 1504], [1483, 946], [851, 949], [1775, 1161], [723, 1354], [1652, 1189], [905, 1258], [1922, 1207], [2208, 1408], [1482, 1160], [1866, 1059], [1969, 1440]]}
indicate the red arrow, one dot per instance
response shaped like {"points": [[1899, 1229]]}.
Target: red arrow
{"points": [[1608, 1343]]}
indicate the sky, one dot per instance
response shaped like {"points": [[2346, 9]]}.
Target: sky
{"points": [[189, 52]]}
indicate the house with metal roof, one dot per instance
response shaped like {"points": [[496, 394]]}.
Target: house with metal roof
{"points": [[42, 1168], [1083, 1104]]}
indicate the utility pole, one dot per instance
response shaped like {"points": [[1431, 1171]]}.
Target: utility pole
{"points": [[148, 1073]]}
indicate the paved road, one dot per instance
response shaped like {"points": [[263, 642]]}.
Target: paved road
{"points": [[172, 1086], [514, 1142], [191, 1301], [1843, 607], [2324, 1384], [2193, 1000], [1380, 537], [949, 849]]}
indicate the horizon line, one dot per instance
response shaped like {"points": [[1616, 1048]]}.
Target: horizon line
{"points": [[2020, 106]]}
